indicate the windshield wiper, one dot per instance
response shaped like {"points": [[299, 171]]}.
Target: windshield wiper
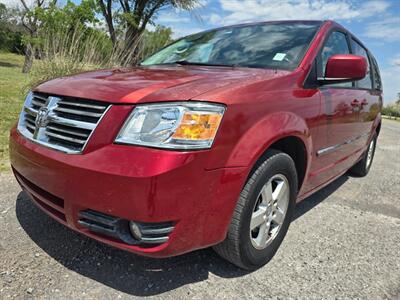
{"points": [[193, 63]]}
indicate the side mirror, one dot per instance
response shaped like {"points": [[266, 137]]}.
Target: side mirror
{"points": [[344, 68]]}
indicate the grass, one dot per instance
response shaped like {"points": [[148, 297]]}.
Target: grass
{"points": [[12, 86]]}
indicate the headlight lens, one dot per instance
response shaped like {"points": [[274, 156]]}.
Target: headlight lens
{"points": [[173, 125]]}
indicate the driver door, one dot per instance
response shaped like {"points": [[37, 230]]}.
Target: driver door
{"points": [[338, 130]]}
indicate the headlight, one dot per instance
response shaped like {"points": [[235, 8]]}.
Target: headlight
{"points": [[172, 125]]}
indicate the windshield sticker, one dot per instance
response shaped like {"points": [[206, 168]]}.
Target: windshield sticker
{"points": [[279, 56]]}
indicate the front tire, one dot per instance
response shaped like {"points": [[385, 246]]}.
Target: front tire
{"points": [[362, 168], [263, 213]]}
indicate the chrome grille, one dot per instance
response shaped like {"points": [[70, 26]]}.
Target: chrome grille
{"points": [[58, 122]]}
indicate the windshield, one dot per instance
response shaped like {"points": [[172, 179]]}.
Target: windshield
{"points": [[268, 45]]}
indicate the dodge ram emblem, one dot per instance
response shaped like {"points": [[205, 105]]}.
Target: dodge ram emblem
{"points": [[41, 117]]}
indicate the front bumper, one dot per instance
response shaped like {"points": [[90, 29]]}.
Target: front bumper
{"points": [[133, 183]]}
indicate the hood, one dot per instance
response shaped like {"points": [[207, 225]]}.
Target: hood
{"points": [[152, 84]]}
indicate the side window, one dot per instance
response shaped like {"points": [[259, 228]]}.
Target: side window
{"points": [[335, 44], [376, 74], [366, 82]]}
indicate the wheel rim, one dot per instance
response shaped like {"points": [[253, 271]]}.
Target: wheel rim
{"points": [[269, 211], [370, 153]]}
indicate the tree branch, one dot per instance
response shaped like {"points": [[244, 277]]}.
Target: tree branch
{"points": [[25, 6], [107, 13], [150, 14]]}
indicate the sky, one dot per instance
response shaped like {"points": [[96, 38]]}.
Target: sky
{"points": [[375, 22]]}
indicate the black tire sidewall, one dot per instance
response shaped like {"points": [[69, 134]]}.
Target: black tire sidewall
{"points": [[278, 164]]}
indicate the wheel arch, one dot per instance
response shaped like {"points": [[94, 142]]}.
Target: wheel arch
{"points": [[294, 147], [283, 131], [378, 128]]}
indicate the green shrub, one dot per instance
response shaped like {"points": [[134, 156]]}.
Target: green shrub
{"points": [[10, 31], [392, 110], [10, 41]]}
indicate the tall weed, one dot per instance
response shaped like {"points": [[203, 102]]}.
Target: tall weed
{"points": [[67, 51]]}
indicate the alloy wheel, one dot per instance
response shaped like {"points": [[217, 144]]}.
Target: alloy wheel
{"points": [[269, 211], [370, 152]]}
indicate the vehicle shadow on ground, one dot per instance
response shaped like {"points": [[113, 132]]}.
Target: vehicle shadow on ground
{"points": [[315, 199], [125, 271]]}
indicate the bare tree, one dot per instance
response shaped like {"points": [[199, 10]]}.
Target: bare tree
{"points": [[30, 22], [134, 15], [106, 10]]}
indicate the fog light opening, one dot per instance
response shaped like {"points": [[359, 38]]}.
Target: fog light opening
{"points": [[135, 230]]}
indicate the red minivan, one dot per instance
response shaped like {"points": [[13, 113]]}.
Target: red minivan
{"points": [[209, 142]]}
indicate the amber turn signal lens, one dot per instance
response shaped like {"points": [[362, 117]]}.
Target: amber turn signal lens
{"points": [[198, 126]]}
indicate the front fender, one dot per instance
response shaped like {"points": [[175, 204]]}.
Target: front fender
{"points": [[377, 123], [258, 138], [248, 149]]}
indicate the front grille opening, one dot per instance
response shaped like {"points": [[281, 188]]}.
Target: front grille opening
{"points": [[76, 132], [30, 119], [70, 121], [153, 234], [63, 143], [88, 105], [77, 117], [30, 123], [38, 101]]}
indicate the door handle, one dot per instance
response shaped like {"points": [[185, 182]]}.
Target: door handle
{"points": [[364, 102], [355, 102]]}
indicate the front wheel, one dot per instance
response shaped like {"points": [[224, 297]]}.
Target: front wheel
{"points": [[364, 165], [262, 214]]}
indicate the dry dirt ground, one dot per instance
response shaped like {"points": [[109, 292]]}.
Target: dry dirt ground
{"points": [[343, 243]]}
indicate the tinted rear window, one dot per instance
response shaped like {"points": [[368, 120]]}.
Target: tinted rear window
{"points": [[376, 74], [366, 82]]}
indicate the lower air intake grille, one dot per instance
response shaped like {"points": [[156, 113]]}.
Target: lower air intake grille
{"points": [[153, 234]]}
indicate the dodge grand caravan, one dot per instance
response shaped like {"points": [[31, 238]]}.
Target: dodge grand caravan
{"points": [[209, 142]]}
